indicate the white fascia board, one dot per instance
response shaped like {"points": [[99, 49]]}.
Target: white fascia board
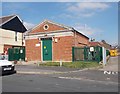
{"points": [[60, 34]]}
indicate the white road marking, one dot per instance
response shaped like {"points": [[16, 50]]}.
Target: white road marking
{"points": [[83, 79]]}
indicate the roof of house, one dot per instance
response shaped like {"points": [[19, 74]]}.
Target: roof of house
{"points": [[94, 44], [102, 44], [106, 45], [8, 19], [61, 25], [5, 19]]}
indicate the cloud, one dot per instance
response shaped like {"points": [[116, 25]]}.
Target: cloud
{"points": [[87, 30], [87, 6], [28, 25], [64, 15], [86, 14], [85, 9]]}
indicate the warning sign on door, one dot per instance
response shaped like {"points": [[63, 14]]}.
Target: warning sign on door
{"points": [[44, 47]]}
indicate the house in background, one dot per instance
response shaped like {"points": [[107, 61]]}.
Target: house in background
{"points": [[103, 43], [93, 44], [11, 33], [50, 41]]}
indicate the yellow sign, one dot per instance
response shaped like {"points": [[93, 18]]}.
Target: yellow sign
{"points": [[113, 52], [44, 47]]}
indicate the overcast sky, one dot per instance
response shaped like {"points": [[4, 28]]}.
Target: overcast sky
{"points": [[96, 20]]}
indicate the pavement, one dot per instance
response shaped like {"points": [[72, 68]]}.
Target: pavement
{"points": [[112, 64]]}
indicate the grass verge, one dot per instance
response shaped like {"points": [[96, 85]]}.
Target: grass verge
{"points": [[72, 64]]}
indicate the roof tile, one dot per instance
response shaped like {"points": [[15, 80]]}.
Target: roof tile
{"points": [[5, 19]]}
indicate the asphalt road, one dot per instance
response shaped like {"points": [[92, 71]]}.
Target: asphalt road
{"points": [[71, 81], [43, 83]]}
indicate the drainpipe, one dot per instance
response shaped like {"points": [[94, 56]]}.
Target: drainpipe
{"points": [[22, 34], [22, 41], [74, 37]]}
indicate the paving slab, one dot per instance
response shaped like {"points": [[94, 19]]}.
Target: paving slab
{"points": [[112, 65]]}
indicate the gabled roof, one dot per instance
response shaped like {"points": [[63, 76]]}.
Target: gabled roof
{"points": [[61, 25], [12, 20], [5, 19], [106, 45], [80, 33], [100, 44]]}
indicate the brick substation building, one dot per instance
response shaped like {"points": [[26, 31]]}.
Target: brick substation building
{"points": [[50, 41]]}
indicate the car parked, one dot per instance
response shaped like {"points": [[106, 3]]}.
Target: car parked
{"points": [[6, 67]]}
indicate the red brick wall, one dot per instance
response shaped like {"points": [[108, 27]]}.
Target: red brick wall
{"points": [[80, 39], [52, 27], [6, 47], [62, 50], [33, 53]]}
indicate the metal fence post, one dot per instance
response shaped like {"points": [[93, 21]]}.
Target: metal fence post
{"points": [[73, 54]]}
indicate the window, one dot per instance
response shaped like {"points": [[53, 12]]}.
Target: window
{"points": [[45, 27], [15, 36]]}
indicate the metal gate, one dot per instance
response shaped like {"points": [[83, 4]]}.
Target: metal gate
{"points": [[16, 54], [87, 54]]}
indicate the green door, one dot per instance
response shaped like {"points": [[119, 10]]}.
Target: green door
{"points": [[47, 49]]}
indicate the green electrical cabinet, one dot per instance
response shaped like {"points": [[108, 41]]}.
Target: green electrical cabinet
{"points": [[10, 54], [17, 54]]}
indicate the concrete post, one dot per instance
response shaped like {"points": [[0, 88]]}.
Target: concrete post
{"points": [[104, 55], [60, 63]]}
